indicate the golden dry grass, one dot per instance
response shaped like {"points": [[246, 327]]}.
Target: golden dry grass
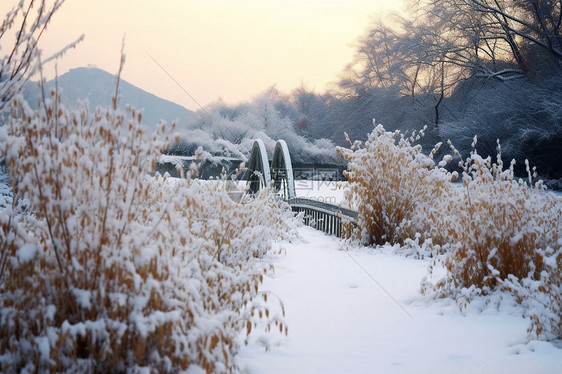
{"points": [[492, 232], [393, 181], [105, 268]]}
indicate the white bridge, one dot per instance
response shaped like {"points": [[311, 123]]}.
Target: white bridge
{"points": [[279, 175]]}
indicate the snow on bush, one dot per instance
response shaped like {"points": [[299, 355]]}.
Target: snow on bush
{"points": [[501, 234], [398, 187], [492, 233], [106, 268], [496, 225], [542, 295]]}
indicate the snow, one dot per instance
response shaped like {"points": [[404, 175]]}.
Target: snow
{"points": [[26, 253], [44, 348], [83, 298], [358, 310]]}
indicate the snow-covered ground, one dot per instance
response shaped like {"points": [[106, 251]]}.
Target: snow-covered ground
{"points": [[358, 310]]}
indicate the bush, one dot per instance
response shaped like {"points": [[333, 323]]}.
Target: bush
{"points": [[496, 224], [105, 268], [491, 233], [542, 296], [501, 232], [398, 187], [502, 235]]}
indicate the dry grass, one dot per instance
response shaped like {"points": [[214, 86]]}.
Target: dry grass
{"points": [[493, 232], [496, 224], [504, 234], [106, 269], [499, 225], [394, 183], [542, 297]]}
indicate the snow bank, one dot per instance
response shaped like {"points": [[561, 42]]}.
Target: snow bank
{"points": [[341, 319]]}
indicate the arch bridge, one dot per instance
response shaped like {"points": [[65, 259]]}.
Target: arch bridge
{"points": [[278, 174]]}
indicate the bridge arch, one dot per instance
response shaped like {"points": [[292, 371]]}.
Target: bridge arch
{"points": [[258, 167], [282, 171], [326, 217]]}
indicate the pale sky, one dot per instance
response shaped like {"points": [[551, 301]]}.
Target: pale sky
{"points": [[229, 49]]}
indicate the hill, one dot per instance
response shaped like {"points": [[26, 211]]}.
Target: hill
{"points": [[98, 86]]}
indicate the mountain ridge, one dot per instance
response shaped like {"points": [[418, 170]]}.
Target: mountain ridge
{"points": [[98, 86]]}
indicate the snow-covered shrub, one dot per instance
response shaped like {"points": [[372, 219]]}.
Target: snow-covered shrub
{"points": [[542, 296], [223, 245], [493, 232], [104, 268], [398, 188], [500, 233], [496, 225]]}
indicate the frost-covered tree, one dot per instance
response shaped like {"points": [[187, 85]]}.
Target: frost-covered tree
{"points": [[470, 67], [524, 114], [315, 115], [270, 116], [442, 43]]}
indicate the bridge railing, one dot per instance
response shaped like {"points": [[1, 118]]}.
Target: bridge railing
{"points": [[328, 218]]}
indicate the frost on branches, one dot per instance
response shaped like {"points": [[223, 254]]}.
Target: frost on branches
{"points": [[106, 268], [27, 21]]}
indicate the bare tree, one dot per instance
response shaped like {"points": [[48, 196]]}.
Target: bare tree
{"points": [[446, 41], [524, 23], [493, 38]]}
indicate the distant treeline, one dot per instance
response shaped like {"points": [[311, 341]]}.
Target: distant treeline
{"points": [[461, 68]]}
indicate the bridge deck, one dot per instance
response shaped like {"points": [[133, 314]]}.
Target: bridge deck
{"points": [[329, 218]]}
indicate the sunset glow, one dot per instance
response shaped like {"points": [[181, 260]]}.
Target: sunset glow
{"points": [[214, 48]]}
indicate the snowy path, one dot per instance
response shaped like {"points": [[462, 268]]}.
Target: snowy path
{"points": [[341, 321]]}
